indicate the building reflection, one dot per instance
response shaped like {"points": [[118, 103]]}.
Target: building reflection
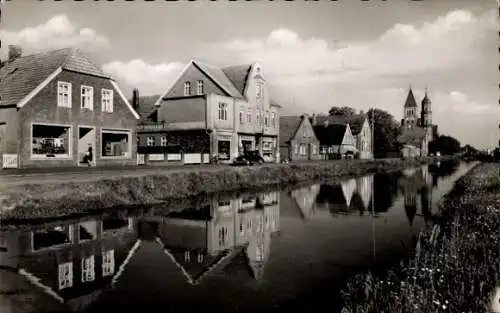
{"points": [[303, 200], [206, 239], [336, 198], [417, 187], [71, 262]]}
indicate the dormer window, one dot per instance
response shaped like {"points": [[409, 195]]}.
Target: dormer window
{"points": [[187, 89], [199, 87]]}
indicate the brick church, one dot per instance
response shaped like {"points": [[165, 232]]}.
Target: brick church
{"points": [[417, 130]]}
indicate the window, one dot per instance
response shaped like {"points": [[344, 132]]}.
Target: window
{"points": [[223, 111], [187, 89], [187, 256], [242, 118], [222, 236], [200, 258], [64, 94], [88, 271], [249, 116], [258, 118], [242, 230], [266, 119], [313, 149], [224, 149], [65, 275], [116, 144], [150, 141], [107, 100], [273, 119], [108, 263], [296, 149], [259, 89], [163, 141], [87, 98], [50, 141], [199, 87], [302, 149]]}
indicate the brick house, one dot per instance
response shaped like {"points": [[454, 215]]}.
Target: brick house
{"points": [[220, 111], [336, 141], [72, 262], [297, 139], [56, 106], [360, 129]]}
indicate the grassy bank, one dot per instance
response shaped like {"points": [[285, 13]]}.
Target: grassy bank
{"points": [[58, 199], [454, 266]]}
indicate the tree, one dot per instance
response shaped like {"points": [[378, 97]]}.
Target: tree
{"points": [[386, 131], [345, 110], [446, 145]]}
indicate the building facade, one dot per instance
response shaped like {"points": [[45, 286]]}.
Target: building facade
{"points": [[360, 129], [336, 141], [416, 131], [297, 139], [229, 109], [58, 109]]}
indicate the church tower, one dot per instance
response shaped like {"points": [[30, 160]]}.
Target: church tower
{"points": [[426, 113], [410, 111]]}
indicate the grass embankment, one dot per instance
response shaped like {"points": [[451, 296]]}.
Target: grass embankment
{"points": [[60, 199], [455, 265]]}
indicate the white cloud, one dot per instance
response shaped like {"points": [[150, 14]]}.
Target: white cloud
{"points": [[149, 78], [442, 44], [58, 32]]}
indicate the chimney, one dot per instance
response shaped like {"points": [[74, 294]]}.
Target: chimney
{"points": [[135, 99], [361, 112], [15, 52]]}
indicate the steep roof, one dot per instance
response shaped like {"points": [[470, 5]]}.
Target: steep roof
{"points": [[21, 76], [355, 121], [410, 100], [219, 77], [146, 105], [288, 127], [331, 134], [238, 75]]}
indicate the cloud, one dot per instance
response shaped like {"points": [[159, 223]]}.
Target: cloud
{"points": [[57, 32], [404, 49], [149, 78]]}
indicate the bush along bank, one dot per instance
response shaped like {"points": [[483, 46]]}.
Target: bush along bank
{"points": [[58, 199], [454, 266]]}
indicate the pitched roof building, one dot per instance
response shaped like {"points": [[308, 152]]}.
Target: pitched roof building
{"points": [[61, 108]]}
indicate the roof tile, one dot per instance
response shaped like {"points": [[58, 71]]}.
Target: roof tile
{"points": [[288, 127]]}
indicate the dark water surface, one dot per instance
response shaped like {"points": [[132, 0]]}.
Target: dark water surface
{"points": [[274, 251]]}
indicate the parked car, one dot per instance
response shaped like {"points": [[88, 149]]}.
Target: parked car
{"points": [[249, 158]]}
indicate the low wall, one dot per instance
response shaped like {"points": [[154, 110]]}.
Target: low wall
{"points": [[55, 200]]}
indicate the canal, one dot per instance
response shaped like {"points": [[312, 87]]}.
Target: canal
{"points": [[288, 250]]}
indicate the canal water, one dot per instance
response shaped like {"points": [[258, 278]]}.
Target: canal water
{"points": [[275, 251]]}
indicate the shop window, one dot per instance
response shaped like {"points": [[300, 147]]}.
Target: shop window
{"points": [[224, 149], [50, 141], [115, 144]]}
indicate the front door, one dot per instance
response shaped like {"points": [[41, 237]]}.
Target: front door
{"points": [[247, 145], [86, 146]]}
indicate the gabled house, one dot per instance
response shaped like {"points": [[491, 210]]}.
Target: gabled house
{"points": [[297, 139], [336, 141], [360, 129], [71, 262], [220, 112], [58, 106]]}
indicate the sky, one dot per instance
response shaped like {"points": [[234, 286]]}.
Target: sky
{"points": [[314, 54]]}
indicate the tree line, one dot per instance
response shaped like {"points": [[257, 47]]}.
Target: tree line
{"points": [[387, 129]]}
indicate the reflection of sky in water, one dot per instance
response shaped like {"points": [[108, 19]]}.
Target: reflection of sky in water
{"points": [[232, 252]]}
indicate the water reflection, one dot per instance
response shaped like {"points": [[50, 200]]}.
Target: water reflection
{"points": [[70, 262], [203, 240], [222, 245]]}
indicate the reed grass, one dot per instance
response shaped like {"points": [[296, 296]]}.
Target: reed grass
{"points": [[455, 264]]}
